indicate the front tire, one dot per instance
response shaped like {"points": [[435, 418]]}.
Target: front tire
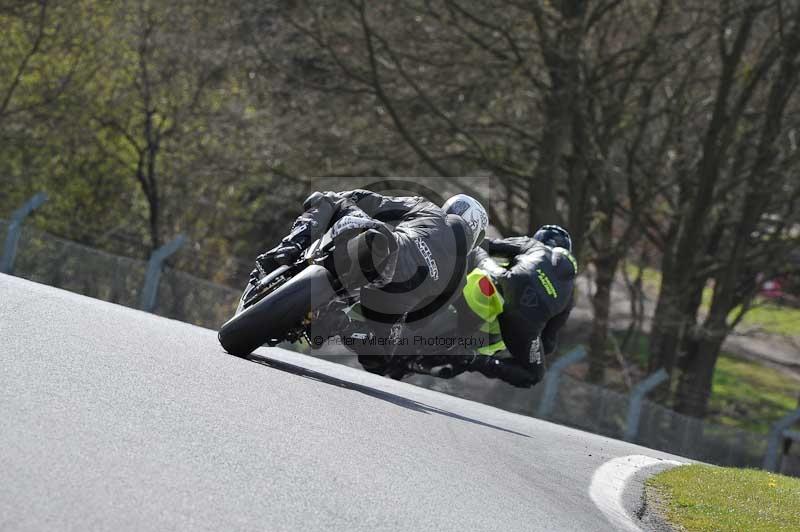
{"points": [[280, 311]]}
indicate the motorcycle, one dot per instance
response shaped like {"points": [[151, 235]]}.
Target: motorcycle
{"points": [[285, 304]]}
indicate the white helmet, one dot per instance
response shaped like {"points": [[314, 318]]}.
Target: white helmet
{"points": [[472, 212]]}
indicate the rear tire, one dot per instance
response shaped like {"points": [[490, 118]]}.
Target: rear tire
{"points": [[279, 312]]}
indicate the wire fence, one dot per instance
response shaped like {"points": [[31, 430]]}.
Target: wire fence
{"points": [[603, 411], [187, 298], [54, 261], [50, 260]]}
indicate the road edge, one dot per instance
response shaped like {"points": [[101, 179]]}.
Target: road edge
{"points": [[617, 489], [644, 503]]}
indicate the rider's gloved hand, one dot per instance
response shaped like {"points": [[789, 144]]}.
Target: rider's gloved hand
{"points": [[282, 254]]}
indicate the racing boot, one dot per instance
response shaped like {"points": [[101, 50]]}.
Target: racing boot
{"points": [[507, 370], [443, 367], [330, 322]]}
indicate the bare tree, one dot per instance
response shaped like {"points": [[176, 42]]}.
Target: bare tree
{"points": [[620, 139], [712, 168], [753, 238], [168, 77]]}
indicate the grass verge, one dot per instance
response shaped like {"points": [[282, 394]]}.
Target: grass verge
{"points": [[750, 396], [705, 498], [774, 319], [745, 394]]}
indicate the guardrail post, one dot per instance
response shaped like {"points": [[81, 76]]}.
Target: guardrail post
{"points": [[553, 377], [14, 230], [771, 458], [635, 402], [153, 275]]}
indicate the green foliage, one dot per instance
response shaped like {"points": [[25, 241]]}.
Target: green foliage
{"points": [[47, 139], [708, 498], [97, 91], [751, 396]]}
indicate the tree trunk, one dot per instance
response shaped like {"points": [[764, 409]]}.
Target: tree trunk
{"points": [[673, 310], [666, 324], [695, 384], [676, 314], [562, 57], [510, 208], [665, 336], [155, 232], [601, 303], [541, 187], [579, 186]]}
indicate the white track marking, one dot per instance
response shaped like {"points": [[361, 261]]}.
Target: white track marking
{"points": [[609, 483]]}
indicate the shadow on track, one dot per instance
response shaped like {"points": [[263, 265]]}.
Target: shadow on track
{"points": [[366, 390]]}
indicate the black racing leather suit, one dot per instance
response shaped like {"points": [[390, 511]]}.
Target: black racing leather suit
{"points": [[422, 268], [537, 286]]}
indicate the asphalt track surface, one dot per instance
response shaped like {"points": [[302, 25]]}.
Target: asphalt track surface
{"points": [[114, 419]]}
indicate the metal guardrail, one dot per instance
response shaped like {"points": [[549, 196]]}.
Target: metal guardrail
{"points": [[14, 229], [153, 275], [48, 259], [552, 379], [779, 429], [635, 406]]}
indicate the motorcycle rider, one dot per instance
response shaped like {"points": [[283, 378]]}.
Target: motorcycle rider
{"points": [[402, 252], [519, 307]]}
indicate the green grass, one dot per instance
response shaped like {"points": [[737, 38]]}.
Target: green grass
{"points": [[768, 316], [775, 319], [706, 498], [750, 396], [745, 394]]}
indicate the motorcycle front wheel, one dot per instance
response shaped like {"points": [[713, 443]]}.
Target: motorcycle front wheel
{"points": [[282, 310]]}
